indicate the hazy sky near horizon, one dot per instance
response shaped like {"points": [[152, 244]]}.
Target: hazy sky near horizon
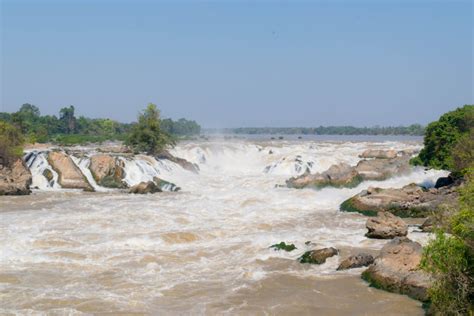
{"points": [[240, 63]]}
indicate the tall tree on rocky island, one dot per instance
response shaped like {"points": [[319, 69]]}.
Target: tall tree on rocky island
{"points": [[147, 135], [68, 120]]}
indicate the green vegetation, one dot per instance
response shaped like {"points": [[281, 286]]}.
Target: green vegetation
{"points": [[283, 246], [11, 141], [448, 142], [147, 135], [67, 129], [415, 130], [451, 258]]}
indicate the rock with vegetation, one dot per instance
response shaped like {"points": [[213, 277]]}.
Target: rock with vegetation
{"points": [[15, 178], [379, 153], [107, 171], [450, 257], [340, 175], [396, 269], [70, 176], [382, 169], [386, 226], [145, 188], [283, 246], [356, 261], [409, 201], [318, 256]]}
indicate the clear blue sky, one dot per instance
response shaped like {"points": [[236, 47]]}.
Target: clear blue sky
{"points": [[240, 63]]}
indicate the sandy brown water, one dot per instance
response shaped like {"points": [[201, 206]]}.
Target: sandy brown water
{"points": [[200, 251]]}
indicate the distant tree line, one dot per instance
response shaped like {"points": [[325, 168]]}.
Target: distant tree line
{"points": [[415, 130], [67, 128]]}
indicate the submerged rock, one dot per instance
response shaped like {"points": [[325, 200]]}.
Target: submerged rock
{"points": [[356, 261], [145, 188], [378, 153], [70, 176], [107, 171], [165, 185], [340, 175], [318, 256], [386, 226], [15, 179], [48, 174], [409, 201], [396, 269], [283, 246], [180, 161]]}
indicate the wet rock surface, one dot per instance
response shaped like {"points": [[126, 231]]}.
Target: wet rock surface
{"points": [[378, 153], [340, 175], [70, 176], [396, 269], [318, 256], [386, 226], [107, 171], [15, 179], [409, 201], [180, 161], [145, 188], [356, 261]]}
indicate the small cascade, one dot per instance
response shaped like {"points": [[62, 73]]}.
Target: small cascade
{"points": [[40, 169], [83, 164]]}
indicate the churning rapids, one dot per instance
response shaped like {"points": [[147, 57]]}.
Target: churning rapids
{"points": [[203, 250]]}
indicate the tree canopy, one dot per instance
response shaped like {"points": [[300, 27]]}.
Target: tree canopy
{"points": [[448, 140], [147, 135]]}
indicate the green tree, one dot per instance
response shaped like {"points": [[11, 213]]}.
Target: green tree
{"points": [[442, 136], [146, 135], [11, 141], [68, 120]]}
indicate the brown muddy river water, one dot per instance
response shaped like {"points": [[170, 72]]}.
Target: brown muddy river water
{"points": [[203, 250]]}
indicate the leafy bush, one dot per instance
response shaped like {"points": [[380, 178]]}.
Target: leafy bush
{"points": [[147, 135], [11, 141], [450, 258], [442, 137]]}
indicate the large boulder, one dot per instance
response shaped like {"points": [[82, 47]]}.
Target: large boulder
{"points": [[340, 175], [409, 201], [386, 226], [382, 169], [378, 153], [107, 171], [180, 161], [15, 179], [70, 176], [145, 188], [318, 256], [166, 185], [356, 261], [396, 269]]}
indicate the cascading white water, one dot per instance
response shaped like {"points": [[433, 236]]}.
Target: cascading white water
{"points": [[38, 163], [201, 250]]}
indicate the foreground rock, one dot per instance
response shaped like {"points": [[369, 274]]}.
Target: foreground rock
{"points": [[145, 188], [340, 175], [396, 269], [180, 161], [409, 201], [165, 185], [318, 256], [15, 179], [70, 176], [356, 261], [377, 153], [107, 171], [386, 226], [382, 169]]}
